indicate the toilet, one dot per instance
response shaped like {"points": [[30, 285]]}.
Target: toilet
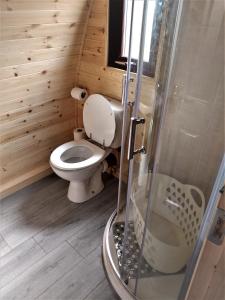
{"points": [[82, 162]]}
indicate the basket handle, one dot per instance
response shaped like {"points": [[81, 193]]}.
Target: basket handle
{"points": [[200, 204]]}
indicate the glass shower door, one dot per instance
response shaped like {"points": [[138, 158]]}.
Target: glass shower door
{"points": [[138, 150], [171, 166]]}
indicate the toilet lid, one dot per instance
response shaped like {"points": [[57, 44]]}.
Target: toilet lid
{"points": [[99, 120]]}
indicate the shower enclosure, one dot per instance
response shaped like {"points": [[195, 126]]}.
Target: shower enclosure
{"points": [[172, 152]]}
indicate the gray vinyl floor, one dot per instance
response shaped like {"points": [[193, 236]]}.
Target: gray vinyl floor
{"points": [[50, 248]]}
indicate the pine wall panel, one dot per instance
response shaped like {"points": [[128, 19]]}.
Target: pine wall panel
{"points": [[93, 72], [40, 47]]}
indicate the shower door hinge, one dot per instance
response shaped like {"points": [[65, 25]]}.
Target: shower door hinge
{"points": [[131, 151], [217, 232], [125, 82]]}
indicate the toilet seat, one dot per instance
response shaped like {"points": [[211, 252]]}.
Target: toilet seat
{"points": [[86, 153], [99, 117]]}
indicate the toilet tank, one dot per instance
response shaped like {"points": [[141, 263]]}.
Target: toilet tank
{"points": [[118, 111], [103, 120]]}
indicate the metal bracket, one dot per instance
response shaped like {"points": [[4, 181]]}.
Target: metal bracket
{"points": [[124, 83], [131, 151], [125, 63]]}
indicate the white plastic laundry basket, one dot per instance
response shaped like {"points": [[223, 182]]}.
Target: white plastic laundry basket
{"points": [[173, 225]]}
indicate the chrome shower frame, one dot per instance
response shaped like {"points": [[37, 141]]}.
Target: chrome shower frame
{"points": [[113, 274]]}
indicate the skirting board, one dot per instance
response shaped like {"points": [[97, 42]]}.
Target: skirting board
{"points": [[24, 180]]}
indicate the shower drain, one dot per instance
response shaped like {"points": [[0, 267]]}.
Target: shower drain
{"points": [[130, 263]]}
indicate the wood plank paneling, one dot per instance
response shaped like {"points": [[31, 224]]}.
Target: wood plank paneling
{"points": [[18, 18], [94, 74], [18, 260], [68, 287], [27, 271], [4, 247], [34, 281], [13, 5], [27, 56], [45, 49], [40, 47], [41, 30]]}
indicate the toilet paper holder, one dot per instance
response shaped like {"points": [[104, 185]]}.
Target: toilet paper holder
{"points": [[79, 94]]}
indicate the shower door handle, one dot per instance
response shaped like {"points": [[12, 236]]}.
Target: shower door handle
{"points": [[131, 151]]}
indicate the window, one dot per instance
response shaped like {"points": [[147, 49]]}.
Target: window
{"points": [[119, 33]]}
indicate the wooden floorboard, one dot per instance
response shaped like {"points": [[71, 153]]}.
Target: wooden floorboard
{"points": [[77, 283], [73, 222], [29, 224], [4, 247], [102, 292], [90, 236], [50, 247], [29, 200], [18, 260]]}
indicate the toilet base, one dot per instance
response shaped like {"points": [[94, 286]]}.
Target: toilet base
{"points": [[81, 191]]}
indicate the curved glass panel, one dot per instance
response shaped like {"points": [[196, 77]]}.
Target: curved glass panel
{"points": [[162, 203], [186, 152]]}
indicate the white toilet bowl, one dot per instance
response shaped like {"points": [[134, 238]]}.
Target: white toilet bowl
{"points": [[82, 162]]}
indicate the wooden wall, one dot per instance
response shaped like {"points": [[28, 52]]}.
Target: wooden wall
{"points": [[93, 73], [47, 47], [40, 46], [97, 77]]}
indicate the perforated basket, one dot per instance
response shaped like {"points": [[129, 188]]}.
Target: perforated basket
{"points": [[173, 225]]}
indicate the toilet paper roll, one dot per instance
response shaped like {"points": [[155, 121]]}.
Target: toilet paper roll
{"points": [[79, 94], [79, 134]]}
